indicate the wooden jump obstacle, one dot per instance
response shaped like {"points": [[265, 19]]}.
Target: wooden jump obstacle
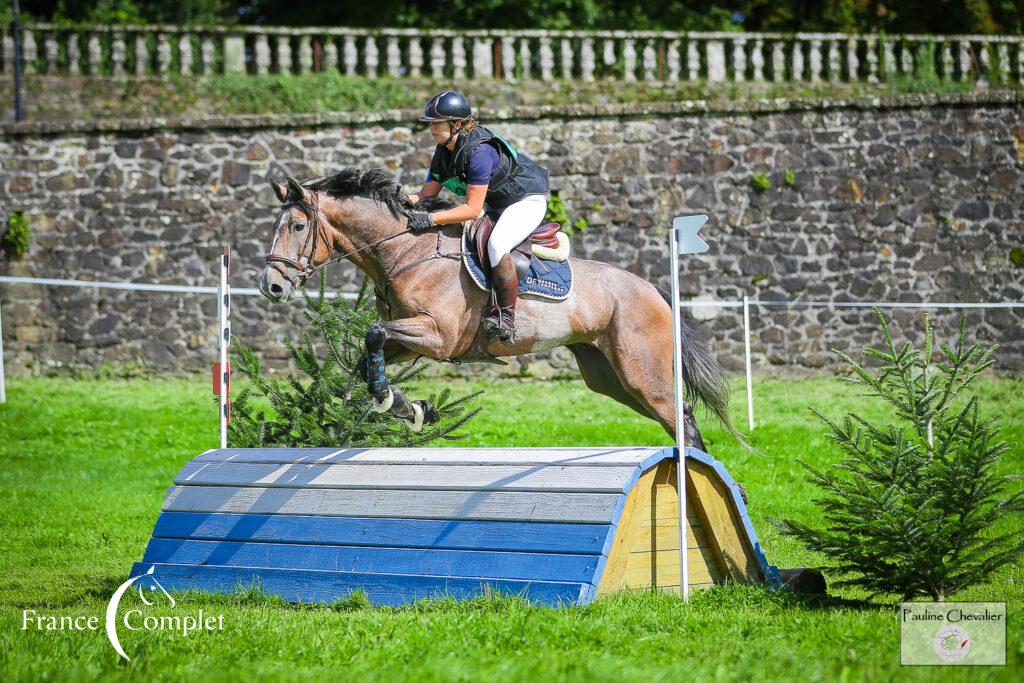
{"points": [[558, 526]]}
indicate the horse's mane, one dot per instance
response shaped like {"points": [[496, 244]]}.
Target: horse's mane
{"points": [[376, 184]]}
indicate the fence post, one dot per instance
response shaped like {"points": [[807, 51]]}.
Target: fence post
{"points": [[746, 353], [677, 383], [682, 239], [3, 381], [224, 329]]}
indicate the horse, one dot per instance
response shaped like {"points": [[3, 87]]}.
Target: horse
{"points": [[617, 325]]}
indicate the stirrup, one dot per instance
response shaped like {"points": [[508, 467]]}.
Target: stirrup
{"points": [[498, 327]]}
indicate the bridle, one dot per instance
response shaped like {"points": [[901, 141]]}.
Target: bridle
{"points": [[304, 265]]}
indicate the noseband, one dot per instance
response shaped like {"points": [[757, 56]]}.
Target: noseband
{"points": [[304, 265]]}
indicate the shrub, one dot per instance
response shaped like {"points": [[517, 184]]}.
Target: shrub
{"points": [[18, 235], [915, 507]]}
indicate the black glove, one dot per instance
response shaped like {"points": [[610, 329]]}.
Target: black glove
{"points": [[420, 221]]}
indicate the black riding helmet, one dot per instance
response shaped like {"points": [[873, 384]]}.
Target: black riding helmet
{"points": [[446, 106]]}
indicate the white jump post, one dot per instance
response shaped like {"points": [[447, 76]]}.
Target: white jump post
{"points": [[683, 239], [224, 329], [3, 382], [746, 353]]}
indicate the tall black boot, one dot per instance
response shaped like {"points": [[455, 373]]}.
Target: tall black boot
{"points": [[500, 323]]}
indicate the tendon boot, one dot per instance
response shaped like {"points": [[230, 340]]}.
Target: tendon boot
{"points": [[500, 323]]}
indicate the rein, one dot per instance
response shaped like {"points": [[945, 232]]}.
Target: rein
{"points": [[304, 264]]}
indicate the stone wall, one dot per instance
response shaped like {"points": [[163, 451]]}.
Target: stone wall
{"points": [[919, 199]]}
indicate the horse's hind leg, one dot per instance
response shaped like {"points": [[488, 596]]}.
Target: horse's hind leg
{"points": [[600, 377], [639, 349]]}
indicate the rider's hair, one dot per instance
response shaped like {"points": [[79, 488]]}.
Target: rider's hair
{"points": [[468, 124]]}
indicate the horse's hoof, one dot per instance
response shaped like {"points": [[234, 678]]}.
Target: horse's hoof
{"points": [[383, 403], [430, 414]]}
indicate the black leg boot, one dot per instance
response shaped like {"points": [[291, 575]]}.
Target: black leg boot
{"points": [[500, 323]]}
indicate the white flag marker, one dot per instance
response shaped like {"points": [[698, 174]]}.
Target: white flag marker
{"points": [[683, 239]]}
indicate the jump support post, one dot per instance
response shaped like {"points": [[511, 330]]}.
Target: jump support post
{"points": [[558, 526]]}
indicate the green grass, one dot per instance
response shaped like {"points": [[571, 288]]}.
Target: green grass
{"points": [[86, 465]]}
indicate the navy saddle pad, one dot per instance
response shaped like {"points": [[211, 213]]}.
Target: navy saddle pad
{"points": [[545, 279]]}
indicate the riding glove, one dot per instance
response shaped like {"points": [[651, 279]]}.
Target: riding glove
{"points": [[420, 221]]}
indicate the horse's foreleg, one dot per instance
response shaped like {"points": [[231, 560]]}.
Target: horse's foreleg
{"points": [[417, 336]]}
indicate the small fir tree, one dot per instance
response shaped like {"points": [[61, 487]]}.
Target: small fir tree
{"points": [[916, 508], [331, 406]]}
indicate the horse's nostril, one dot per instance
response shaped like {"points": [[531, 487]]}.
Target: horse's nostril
{"points": [[276, 289]]}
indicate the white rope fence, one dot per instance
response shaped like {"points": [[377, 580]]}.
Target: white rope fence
{"points": [[744, 303]]}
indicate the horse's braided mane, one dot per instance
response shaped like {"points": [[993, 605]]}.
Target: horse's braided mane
{"points": [[376, 184]]}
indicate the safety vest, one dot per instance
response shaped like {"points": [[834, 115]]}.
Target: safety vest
{"points": [[517, 176]]}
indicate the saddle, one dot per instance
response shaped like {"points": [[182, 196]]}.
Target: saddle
{"points": [[546, 242]]}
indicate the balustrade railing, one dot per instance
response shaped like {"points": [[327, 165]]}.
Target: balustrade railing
{"points": [[648, 56]]}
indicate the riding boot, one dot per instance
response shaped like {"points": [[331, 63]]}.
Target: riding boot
{"points": [[500, 322]]}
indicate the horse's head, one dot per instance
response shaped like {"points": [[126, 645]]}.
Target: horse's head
{"points": [[301, 241]]}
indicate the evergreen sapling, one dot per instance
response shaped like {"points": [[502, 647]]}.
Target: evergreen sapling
{"points": [[331, 406], [916, 508]]}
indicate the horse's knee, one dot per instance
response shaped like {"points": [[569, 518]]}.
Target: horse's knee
{"points": [[375, 338]]}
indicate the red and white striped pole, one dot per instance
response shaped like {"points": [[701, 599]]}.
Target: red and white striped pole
{"points": [[222, 370]]}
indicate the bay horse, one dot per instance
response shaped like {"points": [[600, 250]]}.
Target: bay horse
{"points": [[616, 324]]}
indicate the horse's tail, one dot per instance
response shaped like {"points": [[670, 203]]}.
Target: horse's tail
{"points": [[704, 378]]}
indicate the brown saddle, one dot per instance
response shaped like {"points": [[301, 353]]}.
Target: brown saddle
{"points": [[545, 236]]}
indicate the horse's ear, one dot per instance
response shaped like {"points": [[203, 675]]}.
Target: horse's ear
{"points": [[279, 189], [295, 189]]}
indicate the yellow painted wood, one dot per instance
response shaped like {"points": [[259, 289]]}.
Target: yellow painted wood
{"points": [[645, 553], [625, 533], [661, 568], [714, 505], [666, 537], [646, 548]]}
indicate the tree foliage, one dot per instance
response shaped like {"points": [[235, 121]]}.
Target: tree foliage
{"points": [[916, 507], [892, 16], [331, 406]]}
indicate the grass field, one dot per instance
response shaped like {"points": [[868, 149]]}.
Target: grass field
{"points": [[86, 465]]}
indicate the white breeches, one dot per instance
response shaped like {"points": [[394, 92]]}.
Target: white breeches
{"points": [[515, 224]]}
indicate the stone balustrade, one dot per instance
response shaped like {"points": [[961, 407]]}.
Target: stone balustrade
{"points": [[535, 55]]}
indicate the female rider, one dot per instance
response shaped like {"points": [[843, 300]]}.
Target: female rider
{"points": [[473, 161]]}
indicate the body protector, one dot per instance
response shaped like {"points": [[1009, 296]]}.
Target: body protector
{"points": [[516, 177]]}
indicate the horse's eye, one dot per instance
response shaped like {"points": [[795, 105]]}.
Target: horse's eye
{"points": [[298, 227]]}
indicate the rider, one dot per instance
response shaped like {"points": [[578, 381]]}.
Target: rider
{"points": [[473, 161]]}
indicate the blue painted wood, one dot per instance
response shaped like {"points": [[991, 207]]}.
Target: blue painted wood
{"points": [[318, 545], [382, 589], [412, 561], [535, 537]]}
